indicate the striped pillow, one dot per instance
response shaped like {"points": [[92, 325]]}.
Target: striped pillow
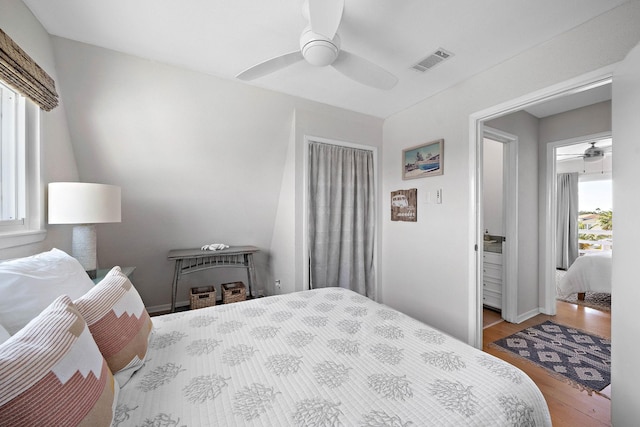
{"points": [[119, 323], [52, 373]]}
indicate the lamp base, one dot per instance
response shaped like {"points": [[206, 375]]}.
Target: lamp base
{"points": [[83, 247]]}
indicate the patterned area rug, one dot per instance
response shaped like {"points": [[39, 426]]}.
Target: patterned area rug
{"points": [[581, 358], [596, 300]]}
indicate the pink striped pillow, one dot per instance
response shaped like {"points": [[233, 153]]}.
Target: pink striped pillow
{"points": [[52, 373], [119, 323]]}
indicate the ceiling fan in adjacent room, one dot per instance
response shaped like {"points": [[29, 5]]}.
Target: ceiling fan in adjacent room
{"points": [[591, 154], [320, 46]]}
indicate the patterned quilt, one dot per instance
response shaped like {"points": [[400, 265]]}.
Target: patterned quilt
{"points": [[326, 357]]}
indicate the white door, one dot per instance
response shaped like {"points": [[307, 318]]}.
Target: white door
{"points": [[625, 328]]}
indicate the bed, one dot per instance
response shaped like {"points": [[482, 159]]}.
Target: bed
{"points": [[588, 273], [325, 357], [316, 358]]}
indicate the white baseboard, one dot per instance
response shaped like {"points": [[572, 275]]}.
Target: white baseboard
{"points": [[528, 315], [166, 307]]}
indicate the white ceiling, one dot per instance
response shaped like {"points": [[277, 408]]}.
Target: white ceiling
{"points": [[223, 37]]}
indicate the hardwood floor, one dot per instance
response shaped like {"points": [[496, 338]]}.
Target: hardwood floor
{"points": [[490, 317], [568, 405]]}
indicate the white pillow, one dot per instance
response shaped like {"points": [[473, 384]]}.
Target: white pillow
{"points": [[4, 335], [28, 285]]}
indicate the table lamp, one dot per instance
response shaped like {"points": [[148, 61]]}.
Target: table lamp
{"points": [[84, 205]]}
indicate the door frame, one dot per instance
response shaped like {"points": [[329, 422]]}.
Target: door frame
{"points": [[551, 196], [308, 139], [510, 214], [476, 120]]}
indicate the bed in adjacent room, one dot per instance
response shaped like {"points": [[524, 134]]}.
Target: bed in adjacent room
{"points": [[588, 273]]}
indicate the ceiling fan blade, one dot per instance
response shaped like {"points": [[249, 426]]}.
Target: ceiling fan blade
{"points": [[270, 65], [570, 156], [363, 71], [325, 16]]}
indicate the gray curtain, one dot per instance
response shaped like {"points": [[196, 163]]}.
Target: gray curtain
{"points": [[567, 220], [341, 218]]}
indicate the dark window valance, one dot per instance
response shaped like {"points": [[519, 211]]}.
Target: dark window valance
{"points": [[20, 71]]}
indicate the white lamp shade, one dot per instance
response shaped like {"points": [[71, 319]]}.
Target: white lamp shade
{"points": [[83, 203]]}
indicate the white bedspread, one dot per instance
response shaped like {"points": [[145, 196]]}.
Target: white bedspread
{"points": [[588, 273], [326, 357]]}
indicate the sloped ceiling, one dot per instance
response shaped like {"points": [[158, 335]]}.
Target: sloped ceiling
{"points": [[223, 38]]}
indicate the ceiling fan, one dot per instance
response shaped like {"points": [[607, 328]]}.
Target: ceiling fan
{"points": [[591, 154], [320, 46]]}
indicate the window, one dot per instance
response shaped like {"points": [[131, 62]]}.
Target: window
{"points": [[21, 218], [595, 228], [12, 160]]}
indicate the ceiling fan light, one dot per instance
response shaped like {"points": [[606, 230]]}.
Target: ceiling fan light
{"points": [[594, 158], [320, 53], [317, 49]]}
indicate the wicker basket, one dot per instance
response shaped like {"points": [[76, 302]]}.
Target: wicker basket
{"points": [[202, 297], [233, 292]]}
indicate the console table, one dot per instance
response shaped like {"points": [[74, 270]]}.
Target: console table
{"points": [[193, 260]]}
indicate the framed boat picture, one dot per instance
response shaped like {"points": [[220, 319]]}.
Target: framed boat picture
{"points": [[423, 160]]}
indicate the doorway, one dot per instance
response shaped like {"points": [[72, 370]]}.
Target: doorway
{"points": [[593, 213], [500, 222], [545, 286]]}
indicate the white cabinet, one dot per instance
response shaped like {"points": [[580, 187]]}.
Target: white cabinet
{"points": [[492, 280]]}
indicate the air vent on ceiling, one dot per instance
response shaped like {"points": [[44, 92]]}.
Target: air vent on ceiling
{"points": [[432, 60]]}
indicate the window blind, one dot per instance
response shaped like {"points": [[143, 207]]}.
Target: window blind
{"points": [[23, 74]]}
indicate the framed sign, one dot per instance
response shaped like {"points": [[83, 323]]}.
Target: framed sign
{"points": [[423, 160], [404, 205]]}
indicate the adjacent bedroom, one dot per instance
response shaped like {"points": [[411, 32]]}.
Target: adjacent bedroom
{"points": [[584, 223]]}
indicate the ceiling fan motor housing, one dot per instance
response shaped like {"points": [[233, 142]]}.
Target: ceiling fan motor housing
{"points": [[593, 153], [592, 156], [317, 49]]}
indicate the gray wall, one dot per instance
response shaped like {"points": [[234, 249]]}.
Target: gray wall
{"points": [[588, 120], [525, 127], [199, 159]]}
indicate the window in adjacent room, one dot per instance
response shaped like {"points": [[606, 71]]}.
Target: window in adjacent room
{"points": [[595, 225]]}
